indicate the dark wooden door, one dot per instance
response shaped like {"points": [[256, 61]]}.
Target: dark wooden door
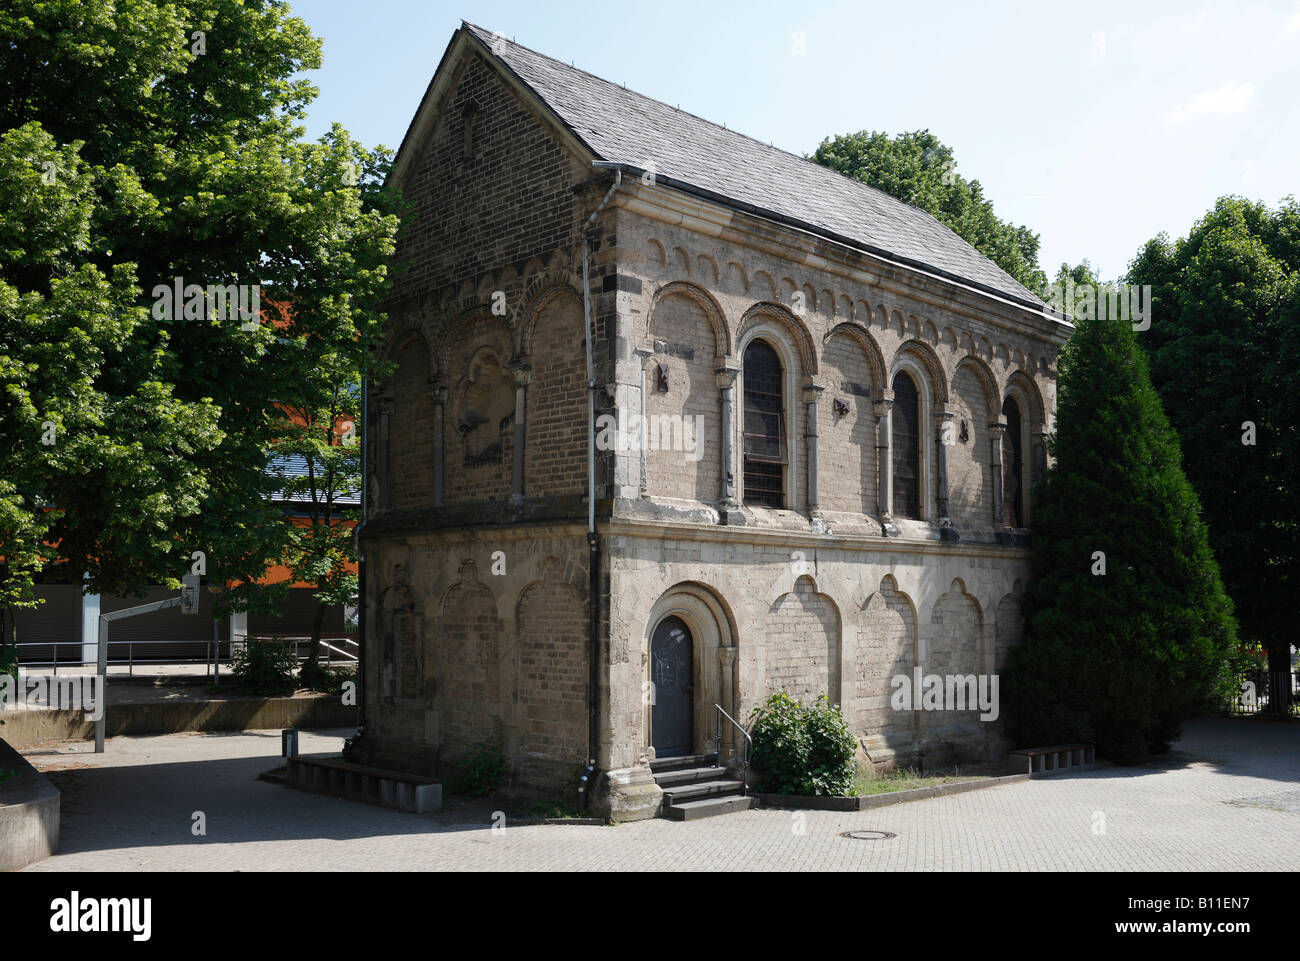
{"points": [[672, 672]]}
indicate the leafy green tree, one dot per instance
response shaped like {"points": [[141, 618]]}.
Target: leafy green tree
{"points": [[1128, 630], [919, 170], [1222, 346], [97, 446], [193, 170]]}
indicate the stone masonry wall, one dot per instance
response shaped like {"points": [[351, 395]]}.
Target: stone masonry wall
{"points": [[843, 619]]}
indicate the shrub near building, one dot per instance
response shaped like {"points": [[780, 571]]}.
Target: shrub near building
{"points": [[803, 750]]}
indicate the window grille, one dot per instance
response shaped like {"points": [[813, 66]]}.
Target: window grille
{"points": [[1013, 494], [764, 426], [906, 443]]}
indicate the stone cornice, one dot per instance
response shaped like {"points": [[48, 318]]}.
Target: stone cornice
{"points": [[675, 208], [662, 530]]}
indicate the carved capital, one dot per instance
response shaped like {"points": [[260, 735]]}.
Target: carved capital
{"points": [[882, 400], [726, 375]]}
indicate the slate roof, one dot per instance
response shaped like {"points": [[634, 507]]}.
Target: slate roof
{"points": [[619, 125]]}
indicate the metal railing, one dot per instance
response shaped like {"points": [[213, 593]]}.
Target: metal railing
{"points": [[204, 653], [1266, 692], [209, 653], [336, 646], [749, 746]]}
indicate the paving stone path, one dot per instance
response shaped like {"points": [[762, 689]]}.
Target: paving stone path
{"points": [[1226, 800]]}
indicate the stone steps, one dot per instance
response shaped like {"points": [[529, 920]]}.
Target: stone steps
{"points": [[695, 786], [356, 782]]}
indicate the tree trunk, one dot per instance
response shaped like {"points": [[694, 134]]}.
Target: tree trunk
{"points": [[8, 636], [311, 668]]}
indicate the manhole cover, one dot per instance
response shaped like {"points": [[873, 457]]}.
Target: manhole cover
{"points": [[869, 835]]}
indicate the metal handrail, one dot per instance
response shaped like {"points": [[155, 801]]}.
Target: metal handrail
{"points": [[297, 640], [744, 773], [129, 661], [208, 658]]}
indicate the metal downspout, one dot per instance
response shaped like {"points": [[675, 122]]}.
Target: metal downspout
{"points": [[586, 783]]}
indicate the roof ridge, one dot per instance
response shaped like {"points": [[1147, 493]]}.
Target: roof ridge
{"points": [[487, 37], [732, 130]]}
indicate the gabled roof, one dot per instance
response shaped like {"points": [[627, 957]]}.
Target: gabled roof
{"points": [[621, 126]]}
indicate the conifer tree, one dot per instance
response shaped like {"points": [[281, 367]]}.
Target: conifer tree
{"points": [[1128, 630]]}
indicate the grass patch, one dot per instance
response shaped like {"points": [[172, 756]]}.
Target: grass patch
{"points": [[552, 809], [866, 783]]}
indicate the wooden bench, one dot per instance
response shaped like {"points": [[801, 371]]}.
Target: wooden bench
{"points": [[1058, 757], [406, 792]]}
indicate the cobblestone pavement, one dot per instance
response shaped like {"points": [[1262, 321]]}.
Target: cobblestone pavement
{"points": [[1225, 801]]}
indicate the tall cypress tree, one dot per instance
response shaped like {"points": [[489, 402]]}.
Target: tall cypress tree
{"points": [[1128, 630]]}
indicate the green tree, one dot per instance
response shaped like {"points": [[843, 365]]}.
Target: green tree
{"points": [[1128, 630], [97, 446], [184, 117], [919, 170], [1222, 346], [332, 333]]}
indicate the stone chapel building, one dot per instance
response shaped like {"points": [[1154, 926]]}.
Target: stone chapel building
{"points": [[847, 406]]}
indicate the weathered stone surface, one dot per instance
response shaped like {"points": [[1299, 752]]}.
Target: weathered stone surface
{"points": [[832, 593]]}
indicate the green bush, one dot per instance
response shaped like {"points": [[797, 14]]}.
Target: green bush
{"points": [[9, 662], [265, 668], [803, 750], [9, 665], [481, 774]]}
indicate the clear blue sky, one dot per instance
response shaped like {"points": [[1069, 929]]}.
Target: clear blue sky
{"points": [[1096, 125]]}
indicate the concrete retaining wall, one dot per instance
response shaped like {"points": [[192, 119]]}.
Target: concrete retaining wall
{"points": [[25, 728], [29, 813]]}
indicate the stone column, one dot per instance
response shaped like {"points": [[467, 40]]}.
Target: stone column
{"points": [[726, 376], [997, 431], [643, 356], [89, 627], [811, 394], [882, 404], [523, 375], [726, 697], [944, 437], [384, 413], [438, 391]]}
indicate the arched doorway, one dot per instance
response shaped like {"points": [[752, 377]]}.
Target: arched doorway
{"points": [[672, 674]]}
